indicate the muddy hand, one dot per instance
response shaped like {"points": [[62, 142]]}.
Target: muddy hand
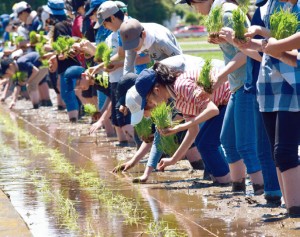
{"points": [[164, 163], [118, 168]]}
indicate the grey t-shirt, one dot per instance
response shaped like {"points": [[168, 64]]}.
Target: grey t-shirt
{"points": [[165, 45]]}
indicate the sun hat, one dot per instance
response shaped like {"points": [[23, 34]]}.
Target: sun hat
{"points": [[104, 11], [94, 4], [55, 7], [130, 32]]}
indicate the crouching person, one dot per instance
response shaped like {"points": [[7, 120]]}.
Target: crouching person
{"points": [[15, 69]]}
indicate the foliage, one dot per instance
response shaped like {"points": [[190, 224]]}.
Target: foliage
{"points": [[244, 5], [19, 76], [239, 20], [19, 39], [100, 49], [63, 45], [102, 79], [90, 109], [39, 48], [283, 24], [191, 18], [214, 21], [204, 77], [144, 128], [106, 56], [162, 117], [33, 37]]}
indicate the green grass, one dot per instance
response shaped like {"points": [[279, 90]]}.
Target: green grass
{"points": [[208, 55], [198, 46], [192, 39]]}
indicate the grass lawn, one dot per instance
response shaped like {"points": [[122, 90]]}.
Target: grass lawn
{"points": [[212, 55], [203, 38], [198, 46]]}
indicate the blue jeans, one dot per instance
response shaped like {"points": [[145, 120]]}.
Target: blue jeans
{"points": [[264, 153], [155, 153], [67, 85], [238, 135], [208, 144]]}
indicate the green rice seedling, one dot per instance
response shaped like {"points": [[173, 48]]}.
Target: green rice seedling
{"points": [[90, 109], [102, 79], [19, 39], [204, 78], [45, 63], [214, 22], [244, 5], [161, 228], [33, 38], [41, 38], [162, 117], [283, 24], [144, 128], [19, 76], [239, 19], [39, 48], [106, 56], [63, 45], [100, 49]]}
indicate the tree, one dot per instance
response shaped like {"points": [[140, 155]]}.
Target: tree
{"points": [[151, 11], [191, 18]]}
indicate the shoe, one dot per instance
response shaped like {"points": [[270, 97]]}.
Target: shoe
{"points": [[239, 186], [36, 106], [206, 175], [258, 189], [294, 212], [274, 201], [61, 107], [73, 120], [197, 165], [122, 143]]}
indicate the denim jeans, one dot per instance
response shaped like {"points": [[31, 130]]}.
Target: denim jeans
{"points": [[208, 144], [238, 135], [155, 153], [264, 153], [67, 85]]}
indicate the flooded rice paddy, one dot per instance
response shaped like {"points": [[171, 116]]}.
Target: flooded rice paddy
{"points": [[58, 178]]}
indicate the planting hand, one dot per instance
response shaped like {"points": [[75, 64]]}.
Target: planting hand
{"points": [[96, 126], [87, 47], [123, 167], [12, 104], [164, 163], [214, 40]]}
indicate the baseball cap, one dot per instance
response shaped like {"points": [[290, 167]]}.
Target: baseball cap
{"points": [[136, 95], [20, 7], [127, 81], [55, 7], [122, 6], [93, 5], [260, 3], [130, 32], [4, 65], [104, 11], [134, 102], [183, 2]]}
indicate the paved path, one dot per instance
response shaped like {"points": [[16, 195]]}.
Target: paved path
{"points": [[11, 223]]}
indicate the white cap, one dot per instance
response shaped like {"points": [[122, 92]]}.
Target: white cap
{"points": [[20, 6], [104, 11], [134, 104]]}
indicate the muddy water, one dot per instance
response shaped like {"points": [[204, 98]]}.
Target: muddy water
{"points": [[181, 211]]}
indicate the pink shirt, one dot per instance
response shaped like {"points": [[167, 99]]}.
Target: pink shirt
{"points": [[187, 103]]}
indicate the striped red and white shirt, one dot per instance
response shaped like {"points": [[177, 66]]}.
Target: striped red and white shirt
{"points": [[186, 89]]}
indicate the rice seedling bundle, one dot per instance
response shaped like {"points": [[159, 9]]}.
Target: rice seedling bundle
{"points": [[19, 76], [106, 56], [39, 48], [144, 128], [19, 39], [90, 109], [63, 45], [100, 49], [102, 79], [214, 22], [204, 78], [33, 37], [162, 117], [239, 19], [283, 24]]}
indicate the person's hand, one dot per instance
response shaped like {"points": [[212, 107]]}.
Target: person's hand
{"points": [[123, 167], [53, 64], [22, 83], [87, 47], [269, 47], [12, 104], [96, 126], [123, 109], [61, 56], [227, 34], [169, 131], [215, 40], [164, 163], [110, 67], [252, 31]]}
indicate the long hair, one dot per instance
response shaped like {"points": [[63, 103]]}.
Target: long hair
{"points": [[164, 74]]}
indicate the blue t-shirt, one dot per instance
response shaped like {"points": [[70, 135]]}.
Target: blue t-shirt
{"points": [[102, 34], [253, 66], [27, 61]]}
